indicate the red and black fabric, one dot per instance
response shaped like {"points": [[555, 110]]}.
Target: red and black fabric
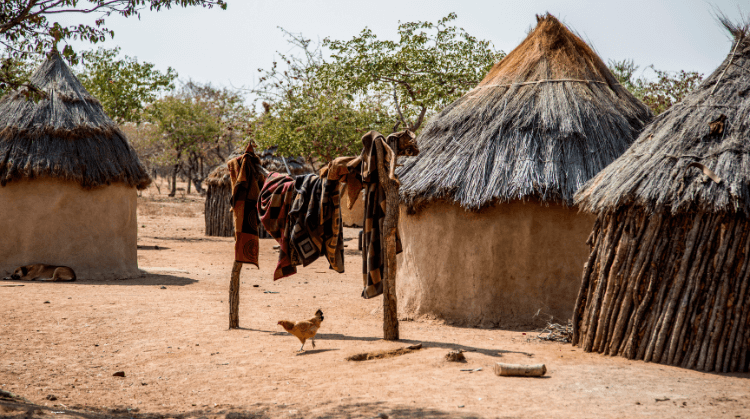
{"points": [[275, 201], [247, 178]]}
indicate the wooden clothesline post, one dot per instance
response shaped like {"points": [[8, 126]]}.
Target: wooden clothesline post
{"points": [[234, 296], [388, 247], [387, 243]]}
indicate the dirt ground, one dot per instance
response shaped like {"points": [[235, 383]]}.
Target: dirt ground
{"points": [[167, 331]]}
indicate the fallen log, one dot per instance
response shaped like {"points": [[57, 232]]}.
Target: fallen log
{"points": [[520, 370]]}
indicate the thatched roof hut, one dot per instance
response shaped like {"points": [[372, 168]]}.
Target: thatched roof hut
{"points": [[69, 180], [667, 278], [492, 187], [217, 212]]}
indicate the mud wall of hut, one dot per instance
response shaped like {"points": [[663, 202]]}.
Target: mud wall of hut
{"points": [[58, 222], [496, 267]]}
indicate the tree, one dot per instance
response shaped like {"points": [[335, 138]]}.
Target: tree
{"points": [[25, 26], [660, 93], [15, 69], [304, 116], [234, 120], [195, 130], [430, 66], [182, 126], [123, 86]]}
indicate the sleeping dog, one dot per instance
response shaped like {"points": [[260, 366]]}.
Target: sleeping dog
{"points": [[43, 273]]}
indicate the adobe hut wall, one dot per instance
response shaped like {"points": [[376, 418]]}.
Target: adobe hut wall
{"points": [[353, 217], [496, 267], [57, 222]]}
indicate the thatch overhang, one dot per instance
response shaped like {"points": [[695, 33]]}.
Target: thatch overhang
{"points": [[64, 135], [544, 120], [709, 128]]}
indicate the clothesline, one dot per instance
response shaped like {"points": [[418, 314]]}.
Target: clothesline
{"points": [[303, 214]]}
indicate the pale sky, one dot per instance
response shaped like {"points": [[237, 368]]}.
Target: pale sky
{"points": [[226, 47]]}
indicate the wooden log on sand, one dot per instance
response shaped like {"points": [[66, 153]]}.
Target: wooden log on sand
{"points": [[520, 370]]}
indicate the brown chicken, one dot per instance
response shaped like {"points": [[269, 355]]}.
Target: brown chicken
{"points": [[305, 329]]}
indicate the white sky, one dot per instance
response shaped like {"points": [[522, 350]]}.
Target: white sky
{"points": [[227, 47]]}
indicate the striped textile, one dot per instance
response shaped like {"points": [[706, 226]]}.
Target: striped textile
{"points": [[276, 198]]}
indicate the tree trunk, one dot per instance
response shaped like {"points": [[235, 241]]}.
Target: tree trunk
{"points": [[174, 180], [189, 177], [234, 296], [388, 248]]}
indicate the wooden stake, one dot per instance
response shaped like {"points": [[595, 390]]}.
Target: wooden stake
{"points": [[388, 247], [234, 296]]}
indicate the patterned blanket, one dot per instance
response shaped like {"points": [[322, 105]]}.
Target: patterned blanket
{"points": [[373, 262], [304, 217], [316, 215], [276, 198], [246, 180]]}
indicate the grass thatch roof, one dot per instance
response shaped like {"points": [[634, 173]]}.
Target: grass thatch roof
{"points": [[710, 127], [546, 119], [64, 135], [270, 162]]}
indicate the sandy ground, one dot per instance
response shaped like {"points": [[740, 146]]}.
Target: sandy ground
{"points": [[168, 332]]}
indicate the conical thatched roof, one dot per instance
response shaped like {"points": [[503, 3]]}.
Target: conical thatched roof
{"points": [[546, 118], [64, 135], [710, 127]]}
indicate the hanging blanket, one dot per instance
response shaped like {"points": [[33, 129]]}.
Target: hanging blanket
{"points": [[305, 219], [276, 199], [316, 218], [345, 170], [246, 180], [373, 263]]}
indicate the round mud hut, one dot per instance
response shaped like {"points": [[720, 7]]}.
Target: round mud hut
{"points": [[489, 233], [68, 180], [219, 189], [667, 277]]}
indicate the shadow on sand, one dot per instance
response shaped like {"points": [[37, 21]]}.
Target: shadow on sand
{"points": [[146, 280], [425, 344], [23, 410]]}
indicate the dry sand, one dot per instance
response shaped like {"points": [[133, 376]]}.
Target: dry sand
{"points": [[168, 332]]}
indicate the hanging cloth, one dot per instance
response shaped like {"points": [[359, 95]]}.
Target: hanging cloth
{"points": [[247, 178]]}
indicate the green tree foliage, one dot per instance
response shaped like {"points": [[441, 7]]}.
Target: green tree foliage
{"points": [[428, 67], [196, 129], [123, 86], [303, 116], [659, 93], [15, 69], [26, 28], [320, 109]]}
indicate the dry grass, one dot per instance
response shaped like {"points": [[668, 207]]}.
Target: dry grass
{"points": [[546, 119], [65, 135]]}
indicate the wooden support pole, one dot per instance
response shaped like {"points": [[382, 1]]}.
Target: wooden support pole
{"points": [[234, 296], [388, 248]]}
